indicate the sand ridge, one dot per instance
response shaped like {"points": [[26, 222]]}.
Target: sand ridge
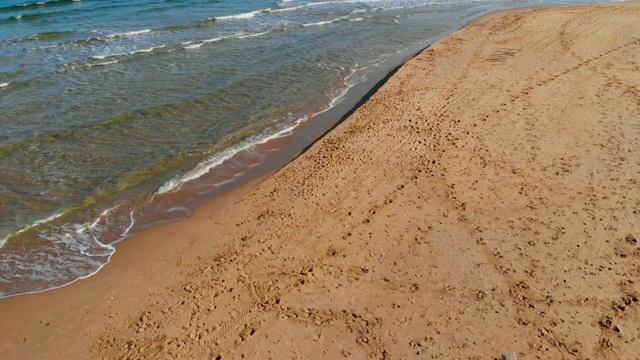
{"points": [[484, 200]]}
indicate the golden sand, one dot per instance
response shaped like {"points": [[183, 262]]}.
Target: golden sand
{"points": [[486, 199]]}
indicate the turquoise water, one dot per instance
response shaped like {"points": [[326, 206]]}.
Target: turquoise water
{"points": [[107, 106]]}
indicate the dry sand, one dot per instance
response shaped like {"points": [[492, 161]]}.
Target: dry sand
{"points": [[486, 199]]}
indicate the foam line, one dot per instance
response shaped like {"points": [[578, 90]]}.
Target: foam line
{"points": [[320, 23], [324, 3], [129, 33], [206, 166], [102, 57], [189, 45], [247, 15], [83, 229]]}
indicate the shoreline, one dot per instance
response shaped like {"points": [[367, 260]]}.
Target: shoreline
{"points": [[254, 161], [260, 273], [126, 204]]}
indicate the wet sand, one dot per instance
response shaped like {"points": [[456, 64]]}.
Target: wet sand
{"points": [[485, 199]]}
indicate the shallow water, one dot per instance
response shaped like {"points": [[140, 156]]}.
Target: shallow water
{"points": [[109, 109]]}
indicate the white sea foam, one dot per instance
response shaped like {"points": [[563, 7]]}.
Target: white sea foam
{"points": [[354, 77], [4, 85], [125, 234], [325, 3], [30, 226], [247, 15], [285, 9], [79, 242], [104, 63], [196, 44], [252, 35], [129, 33], [148, 50], [391, 8], [320, 23], [212, 40], [202, 168], [356, 19], [193, 46], [215, 161], [99, 267], [38, 223], [177, 209]]}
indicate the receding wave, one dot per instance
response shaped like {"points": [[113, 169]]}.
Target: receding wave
{"points": [[78, 253]]}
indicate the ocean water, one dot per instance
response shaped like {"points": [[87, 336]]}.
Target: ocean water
{"points": [[114, 113]]}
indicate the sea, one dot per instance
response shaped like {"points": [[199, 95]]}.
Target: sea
{"points": [[120, 115]]}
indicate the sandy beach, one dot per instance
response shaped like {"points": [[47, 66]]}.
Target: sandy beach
{"points": [[486, 199]]}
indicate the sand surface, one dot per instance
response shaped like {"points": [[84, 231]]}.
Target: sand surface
{"points": [[486, 199]]}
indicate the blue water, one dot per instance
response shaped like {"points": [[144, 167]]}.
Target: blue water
{"points": [[107, 107]]}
